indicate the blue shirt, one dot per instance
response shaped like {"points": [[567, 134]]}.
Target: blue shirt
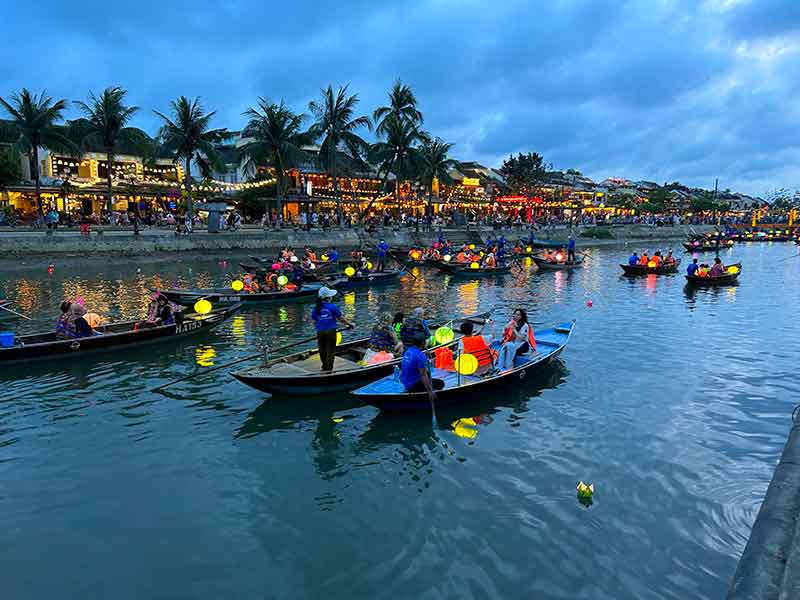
{"points": [[413, 361], [333, 256], [383, 247], [571, 245], [326, 318], [633, 260], [692, 269]]}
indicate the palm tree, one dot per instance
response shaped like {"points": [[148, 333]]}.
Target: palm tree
{"points": [[106, 126], [277, 140], [435, 164], [187, 136], [33, 124], [402, 106], [336, 125]]}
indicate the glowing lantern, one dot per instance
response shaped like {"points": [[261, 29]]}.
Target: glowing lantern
{"points": [[651, 264], [349, 271], [369, 265], [447, 258], [528, 249], [466, 364], [93, 319], [443, 335], [474, 265], [584, 490], [283, 280], [338, 337], [202, 307], [559, 257], [237, 285], [472, 246], [733, 270], [324, 258]]}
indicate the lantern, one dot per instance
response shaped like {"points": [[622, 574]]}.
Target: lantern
{"points": [[349, 271], [651, 264], [283, 280], [369, 265], [338, 337], [202, 307], [237, 285], [447, 258], [443, 335], [466, 364], [474, 265]]}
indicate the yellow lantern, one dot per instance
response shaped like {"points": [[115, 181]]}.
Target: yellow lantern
{"points": [[472, 246], [733, 270], [528, 249], [202, 307], [465, 428], [651, 264], [466, 364], [237, 285], [349, 271], [324, 258], [369, 265], [474, 265], [283, 280], [338, 337], [444, 335]]}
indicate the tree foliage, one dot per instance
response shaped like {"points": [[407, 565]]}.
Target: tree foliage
{"points": [[523, 171], [10, 168]]}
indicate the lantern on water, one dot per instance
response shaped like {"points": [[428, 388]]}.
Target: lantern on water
{"points": [[651, 264], [733, 270], [466, 364], [528, 249], [237, 285], [338, 337], [444, 335], [474, 265], [202, 307], [283, 280], [447, 258], [349, 271]]}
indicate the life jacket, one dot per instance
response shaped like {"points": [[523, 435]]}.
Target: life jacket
{"points": [[656, 259], [381, 339], [443, 359], [644, 260], [508, 336], [461, 257], [312, 257], [476, 345]]}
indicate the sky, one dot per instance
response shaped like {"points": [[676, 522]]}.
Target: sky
{"points": [[660, 90]]}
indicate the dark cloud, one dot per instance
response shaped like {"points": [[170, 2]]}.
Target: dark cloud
{"points": [[662, 90]]}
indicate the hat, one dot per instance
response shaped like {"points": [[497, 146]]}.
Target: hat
{"points": [[326, 292]]}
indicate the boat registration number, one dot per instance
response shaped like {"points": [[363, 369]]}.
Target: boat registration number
{"points": [[187, 326], [229, 299]]}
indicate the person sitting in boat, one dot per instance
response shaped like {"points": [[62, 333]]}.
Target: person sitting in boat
{"points": [[383, 343], [645, 259], [517, 249], [703, 270], [414, 325], [415, 375], [311, 255], [363, 266], [517, 340], [669, 259], [63, 330], [478, 346], [77, 325], [656, 258], [333, 255], [634, 259], [489, 261], [250, 284], [164, 313], [462, 256], [692, 269], [718, 270]]}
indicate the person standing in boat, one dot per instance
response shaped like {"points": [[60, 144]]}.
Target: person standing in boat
{"points": [[691, 270], [383, 249], [571, 249], [325, 315], [517, 339]]}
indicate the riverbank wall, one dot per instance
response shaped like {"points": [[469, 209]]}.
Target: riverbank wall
{"points": [[16, 244], [769, 568]]}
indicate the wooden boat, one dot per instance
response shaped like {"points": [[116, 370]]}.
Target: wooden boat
{"points": [[114, 337], [727, 279], [227, 296], [467, 271], [388, 394], [706, 246], [557, 266], [663, 269], [300, 372], [344, 282], [308, 275]]}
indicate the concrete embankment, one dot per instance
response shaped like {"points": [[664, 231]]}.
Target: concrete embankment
{"points": [[770, 564], [27, 243]]}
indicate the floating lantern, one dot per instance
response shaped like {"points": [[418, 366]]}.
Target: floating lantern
{"points": [[589, 304], [237, 285], [283, 280], [465, 428], [559, 257], [585, 490], [444, 335], [474, 265], [202, 307], [466, 364], [447, 258], [349, 271]]}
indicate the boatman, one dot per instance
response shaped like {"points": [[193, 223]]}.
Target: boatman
{"points": [[383, 248], [692, 268], [571, 249], [634, 259]]}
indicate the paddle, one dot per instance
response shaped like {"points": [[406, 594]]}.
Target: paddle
{"points": [[13, 312], [402, 266], [237, 361]]}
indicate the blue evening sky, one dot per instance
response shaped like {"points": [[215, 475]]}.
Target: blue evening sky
{"points": [[661, 90]]}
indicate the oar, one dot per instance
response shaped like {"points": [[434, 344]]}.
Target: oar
{"points": [[13, 312], [402, 266], [237, 361]]}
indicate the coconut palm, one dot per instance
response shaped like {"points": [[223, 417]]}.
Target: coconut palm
{"points": [[105, 125], [336, 125], [402, 106], [277, 140], [33, 125], [435, 163], [186, 135]]}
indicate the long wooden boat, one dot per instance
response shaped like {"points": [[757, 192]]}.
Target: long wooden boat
{"points": [[308, 275], [707, 247], [389, 394], [557, 266], [300, 372], [663, 269], [113, 336], [467, 271], [227, 296], [344, 282], [727, 279]]}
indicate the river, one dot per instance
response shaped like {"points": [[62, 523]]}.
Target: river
{"points": [[674, 403]]}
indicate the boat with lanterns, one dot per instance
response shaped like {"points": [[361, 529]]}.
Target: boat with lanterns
{"points": [[229, 296], [300, 372], [730, 277], [559, 264], [707, 245], [652, 268], [111, 336], [359, 280], [476, 270], [465, 381]]}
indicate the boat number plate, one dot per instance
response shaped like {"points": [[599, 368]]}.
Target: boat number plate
{"points": [[229, 298], [187, 326]]}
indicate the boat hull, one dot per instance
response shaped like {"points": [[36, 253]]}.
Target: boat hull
{"points": [[225, 297], [637, 270], [551, 266]]}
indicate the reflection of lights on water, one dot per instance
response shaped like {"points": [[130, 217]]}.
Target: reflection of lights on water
{"points": [[350, 298], [238, 327], [283, 315], [468, 300], [465, 428], [730, 291], [204, 356]]}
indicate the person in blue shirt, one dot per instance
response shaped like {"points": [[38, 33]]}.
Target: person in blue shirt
{"points": [[383, 249], [325, 315], [333, 255], [414, 372], [634, 259], [571, 249], [692, 268]]}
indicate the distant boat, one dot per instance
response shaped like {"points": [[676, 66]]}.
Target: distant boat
{"points": [[663, 269], [730, 277], [557, 266]]}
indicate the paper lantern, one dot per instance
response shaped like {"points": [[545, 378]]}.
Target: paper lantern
{"points": [[466, 364], [93, 319], [585, 490], [447, 258], [237, 285], [528, 249], [283, 280], [733, 270], [651, 264], [202, 307], [324, 258], [312, 266], [369, 265], [293, 259], [474, 265], [465, 428], [349, 271], [472, 246], [444, 335], [559, 257], [338, 337]]}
